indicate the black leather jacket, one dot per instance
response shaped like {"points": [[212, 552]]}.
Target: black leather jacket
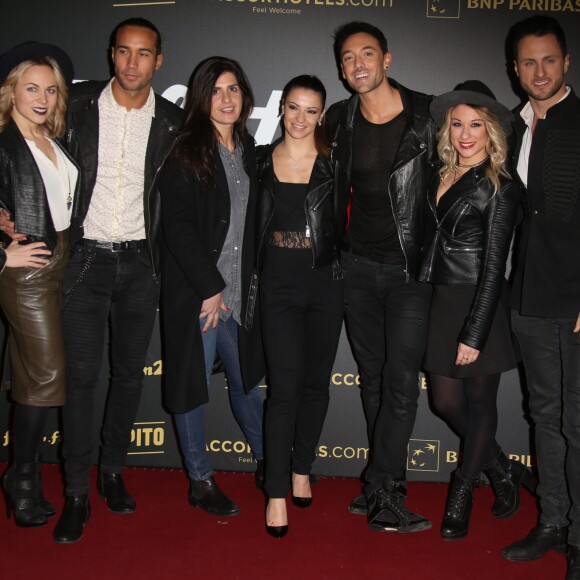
{"points": [[318, 206], [82, 141], [22, 191], [471, 244], [412, 169]]}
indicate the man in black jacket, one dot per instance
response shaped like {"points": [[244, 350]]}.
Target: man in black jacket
{"points": [[120, 133], [383, 153], [546, 292]]}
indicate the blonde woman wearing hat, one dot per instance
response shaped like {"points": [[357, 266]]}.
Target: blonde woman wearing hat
{"points": [[37, 188], [472, 207]]}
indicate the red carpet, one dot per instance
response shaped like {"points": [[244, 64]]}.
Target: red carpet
{"points": [[166, 538]]}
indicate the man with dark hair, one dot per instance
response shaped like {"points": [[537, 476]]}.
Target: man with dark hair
{"points": [[546, 291], [120, 132], [383, 152], [139, 23]]}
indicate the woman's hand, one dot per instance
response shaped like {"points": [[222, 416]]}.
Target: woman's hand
{"points": [[210, 310], [577, 327], [27, 256], [466, 355]]}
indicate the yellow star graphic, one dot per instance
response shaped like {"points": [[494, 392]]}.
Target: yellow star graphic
{"points": [[430, 447], [417, 452], [413, 462], [433, 9]]}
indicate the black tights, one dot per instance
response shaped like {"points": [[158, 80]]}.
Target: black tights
{"points": [[27, 430], [469, 406]]}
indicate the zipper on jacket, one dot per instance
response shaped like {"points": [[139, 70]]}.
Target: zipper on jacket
{"points": [[146, 208], [309, 233], [399, 234]]}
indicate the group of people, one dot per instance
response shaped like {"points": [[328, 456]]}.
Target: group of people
{"points": [[393, 209]]}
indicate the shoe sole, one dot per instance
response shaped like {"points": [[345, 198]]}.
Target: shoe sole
{"points": [[404, 530], [357, 511], [213, 513], [59, 541], [454, 537], [561, 549], [69, 541]]}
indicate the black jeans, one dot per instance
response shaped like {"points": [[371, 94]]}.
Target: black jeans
{"points": [[387, 321], [301, 324], [115, 291], [551, 355]]}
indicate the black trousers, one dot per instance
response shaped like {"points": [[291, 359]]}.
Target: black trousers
{"points": [[301, 324], [104, 291], [551, 355], [387, 321]]}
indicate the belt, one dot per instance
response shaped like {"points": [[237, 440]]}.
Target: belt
{"points": [[113, 246]]}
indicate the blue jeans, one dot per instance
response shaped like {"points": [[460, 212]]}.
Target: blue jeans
{"points": [[247, 408]]}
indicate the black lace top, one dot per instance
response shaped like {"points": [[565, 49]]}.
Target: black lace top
{"points": [[288, 227]]}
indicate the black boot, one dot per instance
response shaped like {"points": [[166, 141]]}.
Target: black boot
{"points": [[112, 489], [22, 497], [506, 476], [208, 496], [75, 514], [48, 509], [387, 512], [542, 539], [359, 506], [573, 563], [458, 510]]}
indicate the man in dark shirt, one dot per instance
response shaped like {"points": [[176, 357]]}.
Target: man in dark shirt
{"points": [[383, 153], [546, 291]]}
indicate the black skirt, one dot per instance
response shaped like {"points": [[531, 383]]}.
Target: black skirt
{"points": [[449, 307]]}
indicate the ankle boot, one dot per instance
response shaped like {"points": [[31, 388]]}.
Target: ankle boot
{"points": [[506, 476], [21, 489], [209, 497], [458, 510], [47, 508]]}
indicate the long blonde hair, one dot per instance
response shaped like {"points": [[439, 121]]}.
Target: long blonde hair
{"points": [[496, 148], [55, 123]]}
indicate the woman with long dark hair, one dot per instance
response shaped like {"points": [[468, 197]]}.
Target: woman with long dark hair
{"points": [[301, 294], [473, 204], [38, 185], [208, 198]]}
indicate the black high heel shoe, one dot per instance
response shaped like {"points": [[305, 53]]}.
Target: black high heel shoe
{"points": [[277, 532], [301, 502]]}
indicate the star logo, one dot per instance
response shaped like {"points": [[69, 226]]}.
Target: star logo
{"points": [[443, 8], [423, 455]]}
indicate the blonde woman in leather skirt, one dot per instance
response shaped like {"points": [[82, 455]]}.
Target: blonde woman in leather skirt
{"points": [[38, 183]]}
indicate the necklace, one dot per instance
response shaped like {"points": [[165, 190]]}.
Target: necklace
{"points": [[474, 165], [296, 162], [68, 194]]}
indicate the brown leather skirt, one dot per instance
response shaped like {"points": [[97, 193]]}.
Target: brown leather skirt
{"points": [[30, 299]]}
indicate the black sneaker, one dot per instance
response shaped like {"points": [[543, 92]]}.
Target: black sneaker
{"points": [[387, 512]]}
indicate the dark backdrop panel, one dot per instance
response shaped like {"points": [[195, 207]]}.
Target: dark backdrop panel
{"points": [[435, 44]]}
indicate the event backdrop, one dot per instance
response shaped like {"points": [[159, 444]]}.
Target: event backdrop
{"points": [[435, 44]]}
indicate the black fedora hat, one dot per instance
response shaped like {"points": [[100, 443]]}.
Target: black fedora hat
{"points": [[471, 93], [34, 51]]}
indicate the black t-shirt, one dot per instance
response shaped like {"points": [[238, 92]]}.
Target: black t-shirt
{"points": [[372, 230]]}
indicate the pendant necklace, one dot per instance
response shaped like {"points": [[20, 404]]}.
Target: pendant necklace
{"points": [[69, 198]]}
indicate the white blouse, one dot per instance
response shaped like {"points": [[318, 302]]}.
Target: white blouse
{"points": [[59, 182]]}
